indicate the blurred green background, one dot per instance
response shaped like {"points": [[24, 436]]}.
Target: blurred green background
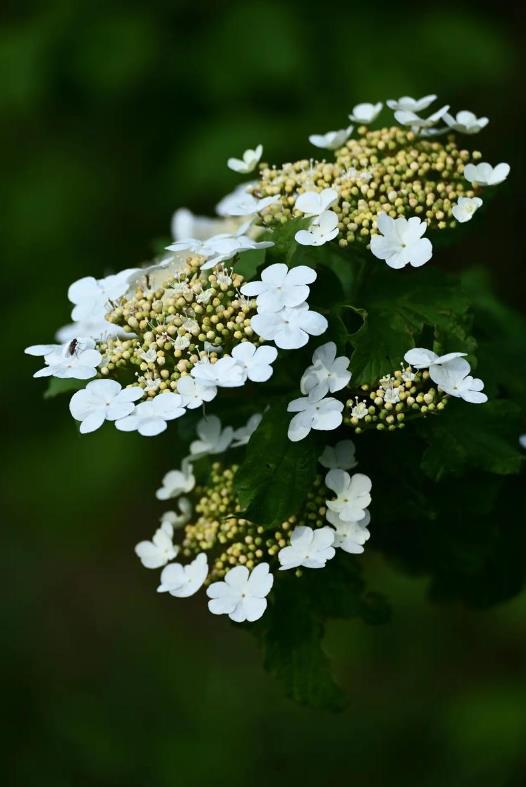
{"points": [[112, 115]]}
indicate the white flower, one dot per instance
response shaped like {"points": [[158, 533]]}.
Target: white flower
{"points": [[247, 204], [454, 378], [465, 122], [323, 229], [213, 439], [352, 494], [183, 581], [327, 373], [220, 248], [97, 328], [350, 536], [410, 118], [232, 198], [194, 392], [313, 413], [313, 203], [484, 174], [365, 113], [391, 395], [289, 328], [224, 373], [421, 358], [178, 520], [280, 286], [309, 548], [401, 241], [160, 550], [254, 361], [186, 224], [77, 359], [340, 456], [332, 139], [103, 400], [465, 207], [175, 482], [360, 409], [242, 595], [150, 418], [244, 433], [248, 163], [409, 104], [90, 296]]}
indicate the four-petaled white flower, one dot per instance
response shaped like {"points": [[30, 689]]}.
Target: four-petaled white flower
{"points": [[213, 439], [350, 536], [391, 394], [450, 372], [194, 392], [186, 224], [224, 373], [421, 358], [313, 413], [465, 207], [280, 286], [484, 174], [150, 418], [360, 409], [255, 362], [353, 494], [401, 241], [90, 296], [247, 204], [244, 433], [309, 548], [408, 104], [365, 113], [177, 520], [313, 203], [465, 122], [160, 550], [243, 594], [322, 230], [410, 118], [331, 140], [183, 581], [103, 400], [232, 198], [77, 359], [340, 456], [327, 373], [289, 328], [177, 482], [220, 248], [248, 162]]}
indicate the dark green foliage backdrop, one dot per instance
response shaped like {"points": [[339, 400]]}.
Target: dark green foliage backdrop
{"points": [[112, 115]]}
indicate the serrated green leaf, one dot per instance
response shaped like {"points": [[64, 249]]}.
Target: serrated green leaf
{"points": [[59, 386], [275, 477]]}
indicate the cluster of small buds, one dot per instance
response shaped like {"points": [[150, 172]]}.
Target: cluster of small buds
{"points": [[218, 528], [390, 170], [393, 401], [198, 314]]}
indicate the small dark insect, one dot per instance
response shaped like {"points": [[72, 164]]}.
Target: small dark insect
{"points": [[72, 346], [147, 277]]}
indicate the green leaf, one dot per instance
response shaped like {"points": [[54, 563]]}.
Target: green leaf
{"points": [[58, 386], [249, 262], [472, 436], [282, 236], [274, 479]]}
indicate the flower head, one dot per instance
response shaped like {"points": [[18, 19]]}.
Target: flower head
{"points": [[289, 328], [183, 581], [242, 594], [248, 162], [327, 373], [484, 174], [331, 140], [365, 113], [103, 400], [322, 230], [313, 412], [280, 286], [401, 241], [309, 548], [150, 418], [353, 494], [158, 551]]}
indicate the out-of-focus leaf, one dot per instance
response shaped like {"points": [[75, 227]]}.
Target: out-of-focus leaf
{"points": [[58, 386]]}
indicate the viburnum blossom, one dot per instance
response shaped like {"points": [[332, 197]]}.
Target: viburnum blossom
{"points": [[331, 140], [365, 113], [465, 207], [309, 548], [183, 581], [248, 162], [353, 494], [410, 118], [177, 482], [213, 439], [465, 122], [186, 224], [103, 400], [160, 550], [248, 205], [220, 248], [484, 174], [244, 433], [224, 373], [289, 328], [409, 104], [401, 242], [314, 203], [341, 456], [255, 362], [313, 412], [242, 594], [194, 392], [77, 359], [323, 229], [150, 418], [280, 286], [350, 536], [327, 373], [450, 372], [178, 520], [232, 198]]}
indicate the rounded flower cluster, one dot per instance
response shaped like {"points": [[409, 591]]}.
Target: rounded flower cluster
{"points": [[390, 170], [196, 314], [393, 401], [228, 538]]}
